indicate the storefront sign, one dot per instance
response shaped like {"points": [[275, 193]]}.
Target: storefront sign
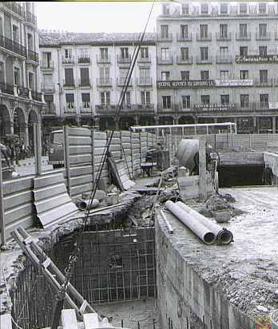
{"points": [[257, 59], [233, 83], [185, 84]]}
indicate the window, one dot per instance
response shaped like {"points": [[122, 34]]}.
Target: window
{"points": [[262, 30], [46, 58], [166, 102], [165, 55], [262, 8], [244, 100], [145, 98], [105, 98], [263, 50], [83, 52], [70, 101], [165, 75], [144, 74], [244, 74], [264, 100], [184, 31], [49, 99], [68, 53], [30, 41], [17, 76], [164, 31], [124, 53], [185, 102], [204, 75], [203, 31], [2, 75], [263, 76], [144, 52], [204, 53], [184, 54], [69, 80], [204, 8], [84, 76], [104, 73], [223, 52], [224, 75], [185, 9], [223, 8], [1, 26], [31, 80], [225, 99], [243, 8], [205, 99], [103, 53], [243, 51], [185, 75], [223, 30], [15, 33], [127, 98], [243, 30], [85, 97]]}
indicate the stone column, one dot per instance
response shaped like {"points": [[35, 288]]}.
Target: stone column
{"points": [[202, 169], [26, 135]]}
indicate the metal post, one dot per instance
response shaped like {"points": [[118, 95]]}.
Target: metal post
{"points": [[202, 169], [66, 158], [38, 148], [2, 221]]}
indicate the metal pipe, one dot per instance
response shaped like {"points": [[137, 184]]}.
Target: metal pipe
{"points": [[87, 204], [198, 228], [222, 234]]}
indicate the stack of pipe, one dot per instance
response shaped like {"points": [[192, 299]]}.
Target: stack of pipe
{"points": [[205, 229]]}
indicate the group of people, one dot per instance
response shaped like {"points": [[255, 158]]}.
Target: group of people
{"points": [[17, 150]]}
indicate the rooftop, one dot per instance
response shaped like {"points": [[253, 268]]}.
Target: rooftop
{"points": [[58, 38]]}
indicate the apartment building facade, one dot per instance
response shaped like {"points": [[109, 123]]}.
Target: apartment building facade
{"points": [[21, 100], [218, 62], [83, 75]]}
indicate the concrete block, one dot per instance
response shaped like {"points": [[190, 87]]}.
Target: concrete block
{"points": [[18, 199], [79, 132], [79, 140], [50, 191], [47, 180]]}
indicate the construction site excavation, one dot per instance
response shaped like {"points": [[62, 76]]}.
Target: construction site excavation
{"points": [[157, 244]]}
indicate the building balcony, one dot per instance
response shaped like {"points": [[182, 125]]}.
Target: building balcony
{"points": [[47, 66], [32, 56], [105, 109], [86, 109], [15, 7], [49, 110], [184, 61], [243, 37], [163, 109], [70, 110], [104, 60], [164, 38], [184, 37], [264, 83], [223, 37], [200, 37], [48, 89], [264, 37], [84, 60], [68, 60], [256, 59], [224, 59], [147, 108], [84, 83], [208, 60], [144, 60], [36, 96], [123, 60], [69, 84], [122, 82], [6, 88], [145, 82], [30, 18], [215, 107], [23, 92], [13, 46], [165, 61], [104, 82]]}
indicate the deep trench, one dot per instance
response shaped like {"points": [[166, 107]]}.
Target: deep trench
{"points": [[116, 263]]}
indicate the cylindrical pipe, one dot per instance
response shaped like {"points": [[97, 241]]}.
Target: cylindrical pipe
{"points": [[195, 226], [87, 204], [223, 235]]}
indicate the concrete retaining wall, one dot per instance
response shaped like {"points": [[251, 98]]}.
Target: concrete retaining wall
{"points": [[190, 186], [185, 299]]}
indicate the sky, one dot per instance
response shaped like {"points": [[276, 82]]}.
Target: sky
{"points": [[96, 16]]}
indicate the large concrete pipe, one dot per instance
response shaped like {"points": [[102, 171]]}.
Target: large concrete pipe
{"points": [[196, 227], [222, 235], [87, 204]]}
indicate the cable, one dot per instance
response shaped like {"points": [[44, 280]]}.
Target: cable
{"points": [[76, 251]]}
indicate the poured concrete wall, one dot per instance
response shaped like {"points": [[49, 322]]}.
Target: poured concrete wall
{"points": [[185, 298]]}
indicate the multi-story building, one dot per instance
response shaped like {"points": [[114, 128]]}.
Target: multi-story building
{"points": [[218, 62], [21, 100], [83, 75]]}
